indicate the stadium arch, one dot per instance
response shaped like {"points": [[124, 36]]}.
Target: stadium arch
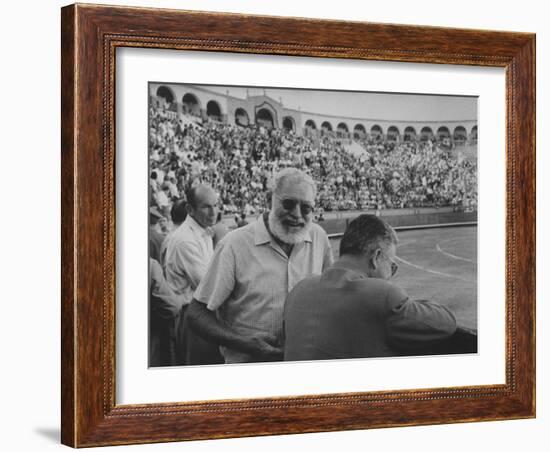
{"points": [[443, 132], [191, 104], [326, 126], [264, 118], [241, 117], [460, 136], [213, 110], [342, 130], [289, 123], [409, 134], [266, 115], [166, 93], [473, 135], [310, 124], [376, 131], [359, 131], [392, 134], [310, 129], [426, 134]]}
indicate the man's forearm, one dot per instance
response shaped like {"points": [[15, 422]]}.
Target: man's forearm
{"points": [[419, 322]]}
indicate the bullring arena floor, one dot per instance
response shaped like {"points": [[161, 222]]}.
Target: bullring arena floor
{"points": [[439, 264]]}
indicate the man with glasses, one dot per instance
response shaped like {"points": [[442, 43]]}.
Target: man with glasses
{"points": [[352, 310], [240, 301]]}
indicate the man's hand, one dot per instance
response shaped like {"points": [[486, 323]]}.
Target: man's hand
{"points": [[259, 346], [264, 347]]}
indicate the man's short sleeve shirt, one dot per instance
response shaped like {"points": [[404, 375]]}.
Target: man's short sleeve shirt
{"points": [[250, 277], [188, 253]]}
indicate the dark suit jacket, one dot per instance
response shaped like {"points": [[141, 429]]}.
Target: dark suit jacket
{"points": [[345, 314]]}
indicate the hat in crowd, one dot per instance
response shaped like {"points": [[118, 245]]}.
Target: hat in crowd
{"points": [[155, 212]]}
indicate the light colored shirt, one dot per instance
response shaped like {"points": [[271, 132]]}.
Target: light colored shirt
{"points": [[250, 277], [188, 252]]}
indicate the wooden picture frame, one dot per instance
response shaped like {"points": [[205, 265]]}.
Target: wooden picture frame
{"points": [[90, 36]]}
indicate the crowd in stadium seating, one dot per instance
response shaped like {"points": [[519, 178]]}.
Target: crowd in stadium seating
{"points": [[238, 162]]}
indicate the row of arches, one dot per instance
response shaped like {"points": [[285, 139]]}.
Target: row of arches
{"points": [[460, 134], [191, 104], [264, 117]]}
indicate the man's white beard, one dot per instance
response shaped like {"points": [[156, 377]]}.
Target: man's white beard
{"points": [[279, 230]]}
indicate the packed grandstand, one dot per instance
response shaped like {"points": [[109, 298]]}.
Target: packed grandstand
{"points": [[352, 173]]}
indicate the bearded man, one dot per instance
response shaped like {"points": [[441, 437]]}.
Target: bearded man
{"points": [[239, 303]]}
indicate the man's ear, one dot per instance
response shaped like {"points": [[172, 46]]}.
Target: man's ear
{"points": [[374, 259]]}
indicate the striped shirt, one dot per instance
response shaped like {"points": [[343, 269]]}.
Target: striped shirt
{"points": [[250, 277]]}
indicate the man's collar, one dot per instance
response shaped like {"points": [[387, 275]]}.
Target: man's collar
{"points": [[197, 227], [351, 266], [261, 234]]}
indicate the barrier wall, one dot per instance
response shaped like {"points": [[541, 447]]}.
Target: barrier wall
{"points": [[405, 219]]}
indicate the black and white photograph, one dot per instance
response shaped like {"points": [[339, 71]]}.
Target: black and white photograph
{"points": [[302, 225], [105, 106]]}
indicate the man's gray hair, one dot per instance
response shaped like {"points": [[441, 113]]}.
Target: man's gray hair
{"points": [[365, 234], [293, 175]]}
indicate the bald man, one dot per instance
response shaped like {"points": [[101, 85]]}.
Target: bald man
{"points": [[188, 254]]}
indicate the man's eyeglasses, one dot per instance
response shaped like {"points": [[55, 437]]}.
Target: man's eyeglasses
{"points": [[394, 266], [290, 204]]}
